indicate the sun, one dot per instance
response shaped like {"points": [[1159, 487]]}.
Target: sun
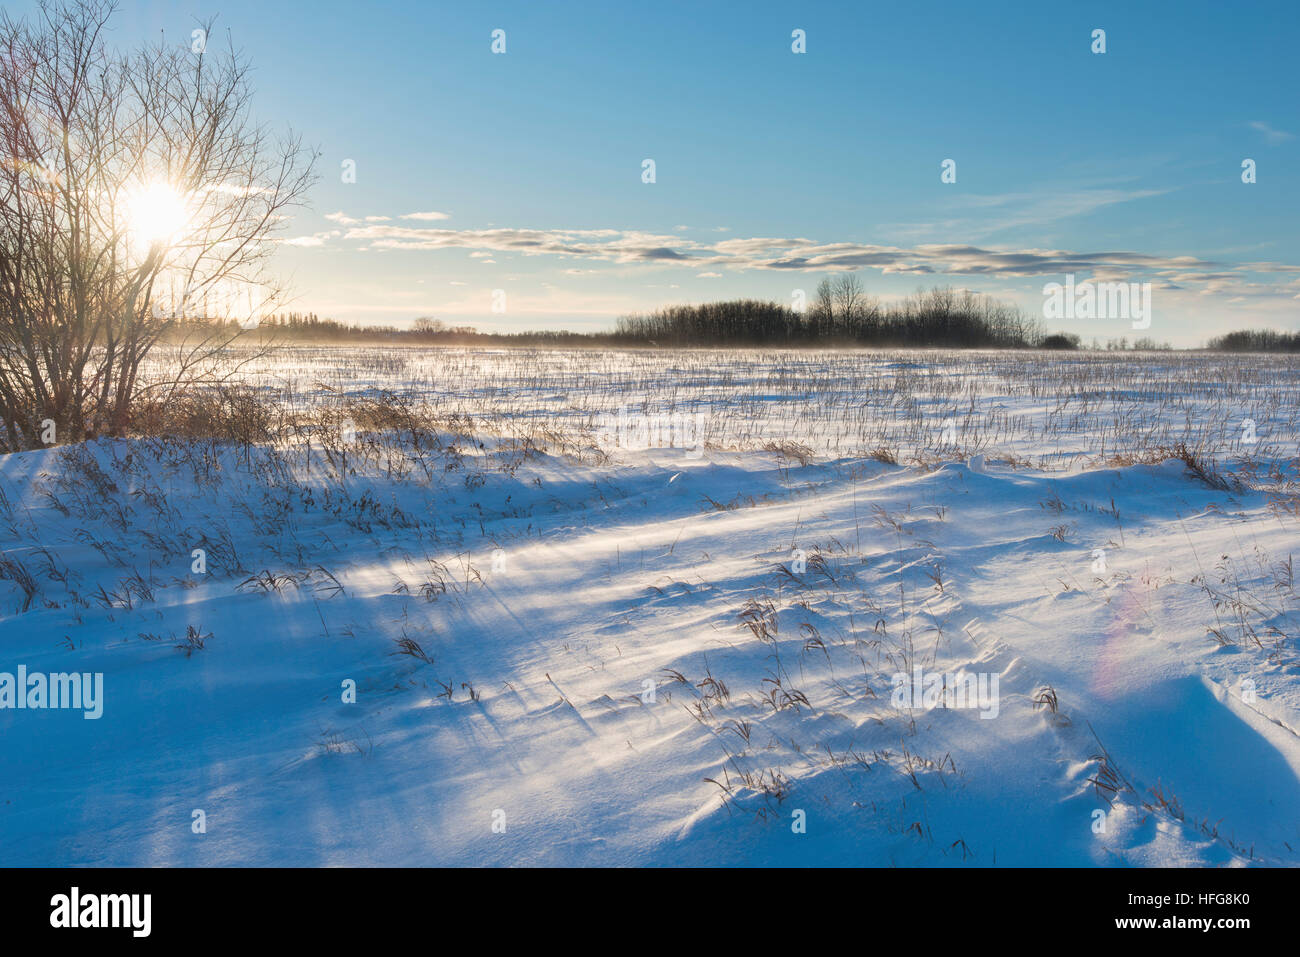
{"points": [[156, 214]]}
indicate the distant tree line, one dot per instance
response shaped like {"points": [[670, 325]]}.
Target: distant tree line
{"points": [[298, 325], [842, 312], [425, 330], [1256, 340]]}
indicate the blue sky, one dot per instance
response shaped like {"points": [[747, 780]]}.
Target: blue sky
{"points": [[1124, 165]]}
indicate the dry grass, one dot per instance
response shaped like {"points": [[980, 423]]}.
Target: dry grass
{"points": [[1025, 409]]}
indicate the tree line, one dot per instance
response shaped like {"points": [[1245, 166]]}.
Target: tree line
{"points": [[1257, 340], [842, 312]]}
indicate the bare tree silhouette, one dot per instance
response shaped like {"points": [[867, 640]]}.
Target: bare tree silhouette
{"points": [[83, 130]]}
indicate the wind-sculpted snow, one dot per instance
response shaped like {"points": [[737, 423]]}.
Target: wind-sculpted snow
{"points": [[473, 650]]}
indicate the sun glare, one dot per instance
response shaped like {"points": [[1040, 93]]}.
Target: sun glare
{"points": [[155, 214]]}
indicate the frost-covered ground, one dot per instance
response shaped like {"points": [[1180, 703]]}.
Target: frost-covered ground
{"points": [[1051, 411], [566, 650]]}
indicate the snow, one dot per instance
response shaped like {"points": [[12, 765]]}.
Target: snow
{"points": [[770, 605]]}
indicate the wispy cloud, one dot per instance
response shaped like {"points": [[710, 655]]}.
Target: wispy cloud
{"points": [[801, 254], [994, 213], [1271, 136], [315, 239], [432, 215]]}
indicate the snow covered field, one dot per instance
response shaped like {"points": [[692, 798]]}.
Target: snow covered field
{"points": [[678, 608], [1051, 411]]}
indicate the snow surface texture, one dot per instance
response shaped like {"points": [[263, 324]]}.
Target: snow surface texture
{"points": [[1051, 411], [657, 656]]}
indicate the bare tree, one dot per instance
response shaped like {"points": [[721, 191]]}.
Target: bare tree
{"points": [[850, 298], [134, 187], [824, 303]]}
